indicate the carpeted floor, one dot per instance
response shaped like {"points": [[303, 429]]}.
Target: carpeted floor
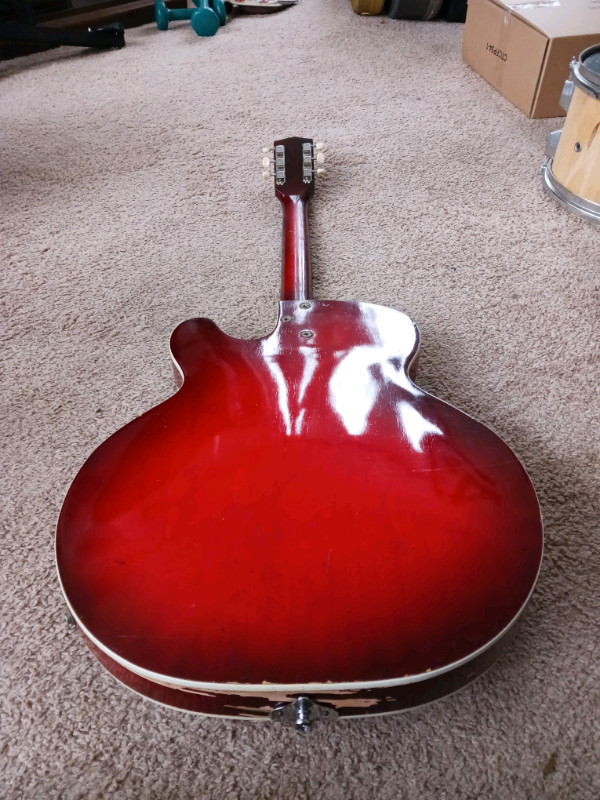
{"points": [[131, 200]]}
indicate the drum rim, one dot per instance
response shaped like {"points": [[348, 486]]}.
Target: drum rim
{"points": [[578, 205], [589, 81]]}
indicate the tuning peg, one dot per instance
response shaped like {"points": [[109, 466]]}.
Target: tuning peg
{"points": [[320, 158], [267, 149], [267, 175], [321, 170], [266, 162], [321, 145]]}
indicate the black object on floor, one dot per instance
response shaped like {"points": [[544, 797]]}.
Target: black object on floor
{"points": [[18, 24], [413, 9], [450, 10], [454, 10]]}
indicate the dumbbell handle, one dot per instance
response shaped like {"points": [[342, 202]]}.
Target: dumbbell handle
{"points": [[176, 14]]}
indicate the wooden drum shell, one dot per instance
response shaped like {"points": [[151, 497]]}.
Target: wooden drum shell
{"points": [[571, 173], [576, 164]]}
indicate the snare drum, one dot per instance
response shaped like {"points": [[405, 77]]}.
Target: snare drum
{"points": [[571, 172]]}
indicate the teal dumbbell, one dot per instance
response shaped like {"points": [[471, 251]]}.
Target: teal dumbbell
{"points": [[203, 19], [218, 6], [164, 15]]}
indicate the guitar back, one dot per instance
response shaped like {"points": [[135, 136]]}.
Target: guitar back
{"points": [[299, 512], [299, 520]]}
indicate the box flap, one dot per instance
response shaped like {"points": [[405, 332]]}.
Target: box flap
{"points": [[557, 18]]}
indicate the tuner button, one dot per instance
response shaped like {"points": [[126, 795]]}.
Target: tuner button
{"points": [[266, 175], [267, 149], [320, 171], [320, 145], [266, 162], [320, 158]]}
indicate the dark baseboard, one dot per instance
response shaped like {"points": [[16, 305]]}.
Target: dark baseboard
{"points": [[88, 14]]}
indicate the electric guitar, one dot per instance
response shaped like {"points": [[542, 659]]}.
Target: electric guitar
{"points": [[299, 532]]}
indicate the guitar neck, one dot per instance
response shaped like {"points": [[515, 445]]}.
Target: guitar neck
{"points": [[294, 164], [296, 281]]}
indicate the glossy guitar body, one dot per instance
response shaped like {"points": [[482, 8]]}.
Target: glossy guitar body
{"points": [[299, 519]]}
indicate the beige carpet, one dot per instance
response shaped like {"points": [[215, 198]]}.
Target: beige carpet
{"points": [[132, 199]]}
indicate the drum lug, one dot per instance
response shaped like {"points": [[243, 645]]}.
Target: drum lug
{"points": [[302, 713], [552, 143], [567, 95]]}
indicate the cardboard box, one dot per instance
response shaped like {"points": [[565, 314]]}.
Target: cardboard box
{"points": [[524, 48]]}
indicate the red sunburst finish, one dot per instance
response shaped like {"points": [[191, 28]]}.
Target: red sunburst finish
{"points": [[299, 518]]}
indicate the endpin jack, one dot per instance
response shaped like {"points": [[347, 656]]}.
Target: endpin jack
{"points": [[302, 714]]}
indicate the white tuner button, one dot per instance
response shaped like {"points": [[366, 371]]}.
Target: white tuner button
{"points": [[320, 145], [320, 158], [266, 174], [266, 162]]}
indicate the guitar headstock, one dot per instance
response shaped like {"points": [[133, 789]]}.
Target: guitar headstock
{"points": [[293, 164]]}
